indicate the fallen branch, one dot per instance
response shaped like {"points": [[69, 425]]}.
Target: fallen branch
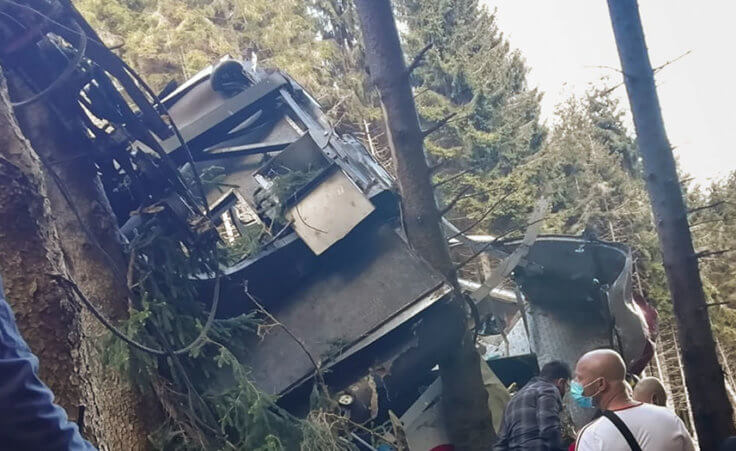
{"points": [[417, 61]]}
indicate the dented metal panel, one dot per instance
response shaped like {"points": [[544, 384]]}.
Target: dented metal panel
{"points": [[328, 212], [357, 285]]}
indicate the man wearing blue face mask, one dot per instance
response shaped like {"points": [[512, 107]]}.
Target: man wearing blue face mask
{"points": [[531, 421], [625, 424]]}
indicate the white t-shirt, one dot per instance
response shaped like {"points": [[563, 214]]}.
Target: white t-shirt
{"points": [[655, 429]]}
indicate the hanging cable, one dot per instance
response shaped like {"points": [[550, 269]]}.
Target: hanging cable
{"points": [[215, 299], [67, 197], [68, 71], [141, 347], [177, 132]]}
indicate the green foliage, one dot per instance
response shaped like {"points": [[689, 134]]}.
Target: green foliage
{"points": [[244, 245], [713, 224], [174, 39], [472, 71], [286, 185], [208, 395]]}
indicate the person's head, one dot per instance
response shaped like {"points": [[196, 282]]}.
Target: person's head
{"points": [[558, 373], [650, 390], [599, 378]]}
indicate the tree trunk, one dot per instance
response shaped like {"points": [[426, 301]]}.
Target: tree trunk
{"points": [[46, 313], [107, 395], [704, 377], [463, 395]]}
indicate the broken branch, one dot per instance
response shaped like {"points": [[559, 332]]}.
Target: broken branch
{"points": [[417, 61]]}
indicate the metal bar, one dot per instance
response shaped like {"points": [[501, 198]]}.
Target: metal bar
{"points": [[222, 119], [213, 153]]}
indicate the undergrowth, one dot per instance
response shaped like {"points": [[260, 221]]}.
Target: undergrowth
{"points": [[208, 397]]}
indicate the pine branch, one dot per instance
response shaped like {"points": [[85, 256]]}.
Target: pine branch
{"points": [[444, 121], [435, 167], [706, 207], [417, 61], [450, 179], [662, 66], [455, 200], [494, 242], [706, 254], [606, 67], [421, 92], [709, 221], [483, 216]]}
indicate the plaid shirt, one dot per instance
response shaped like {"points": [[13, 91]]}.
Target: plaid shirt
{"points": [[532, 419]]}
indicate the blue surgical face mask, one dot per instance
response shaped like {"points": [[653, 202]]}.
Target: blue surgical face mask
{"points": [[576, 391]]}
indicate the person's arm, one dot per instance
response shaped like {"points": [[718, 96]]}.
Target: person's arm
{"points": [[29, 419], [683, 435], [549, 407], [588, 441], [502, 444]]}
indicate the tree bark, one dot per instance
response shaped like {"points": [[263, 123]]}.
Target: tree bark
{"points": [[46, 313], [704, 376], [107, 395], [463, 395]]}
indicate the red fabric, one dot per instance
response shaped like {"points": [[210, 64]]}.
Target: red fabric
{"points": [[651, 318], [638, 365], [572, 447], [650, 315], [443, 448]]}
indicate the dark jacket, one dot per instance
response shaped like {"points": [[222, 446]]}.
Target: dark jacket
{"points": [[29, 419]]}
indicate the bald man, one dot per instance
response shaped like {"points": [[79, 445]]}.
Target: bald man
{"points": [[626, 424], [650, 390]]}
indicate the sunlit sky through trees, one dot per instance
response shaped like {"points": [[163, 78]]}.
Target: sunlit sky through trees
{"points": [[564, 40]]}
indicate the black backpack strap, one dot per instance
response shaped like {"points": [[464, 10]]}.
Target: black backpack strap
{"points": [[625, 431]]}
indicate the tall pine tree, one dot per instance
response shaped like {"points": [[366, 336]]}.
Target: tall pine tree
{"points": [[472, 71]]}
